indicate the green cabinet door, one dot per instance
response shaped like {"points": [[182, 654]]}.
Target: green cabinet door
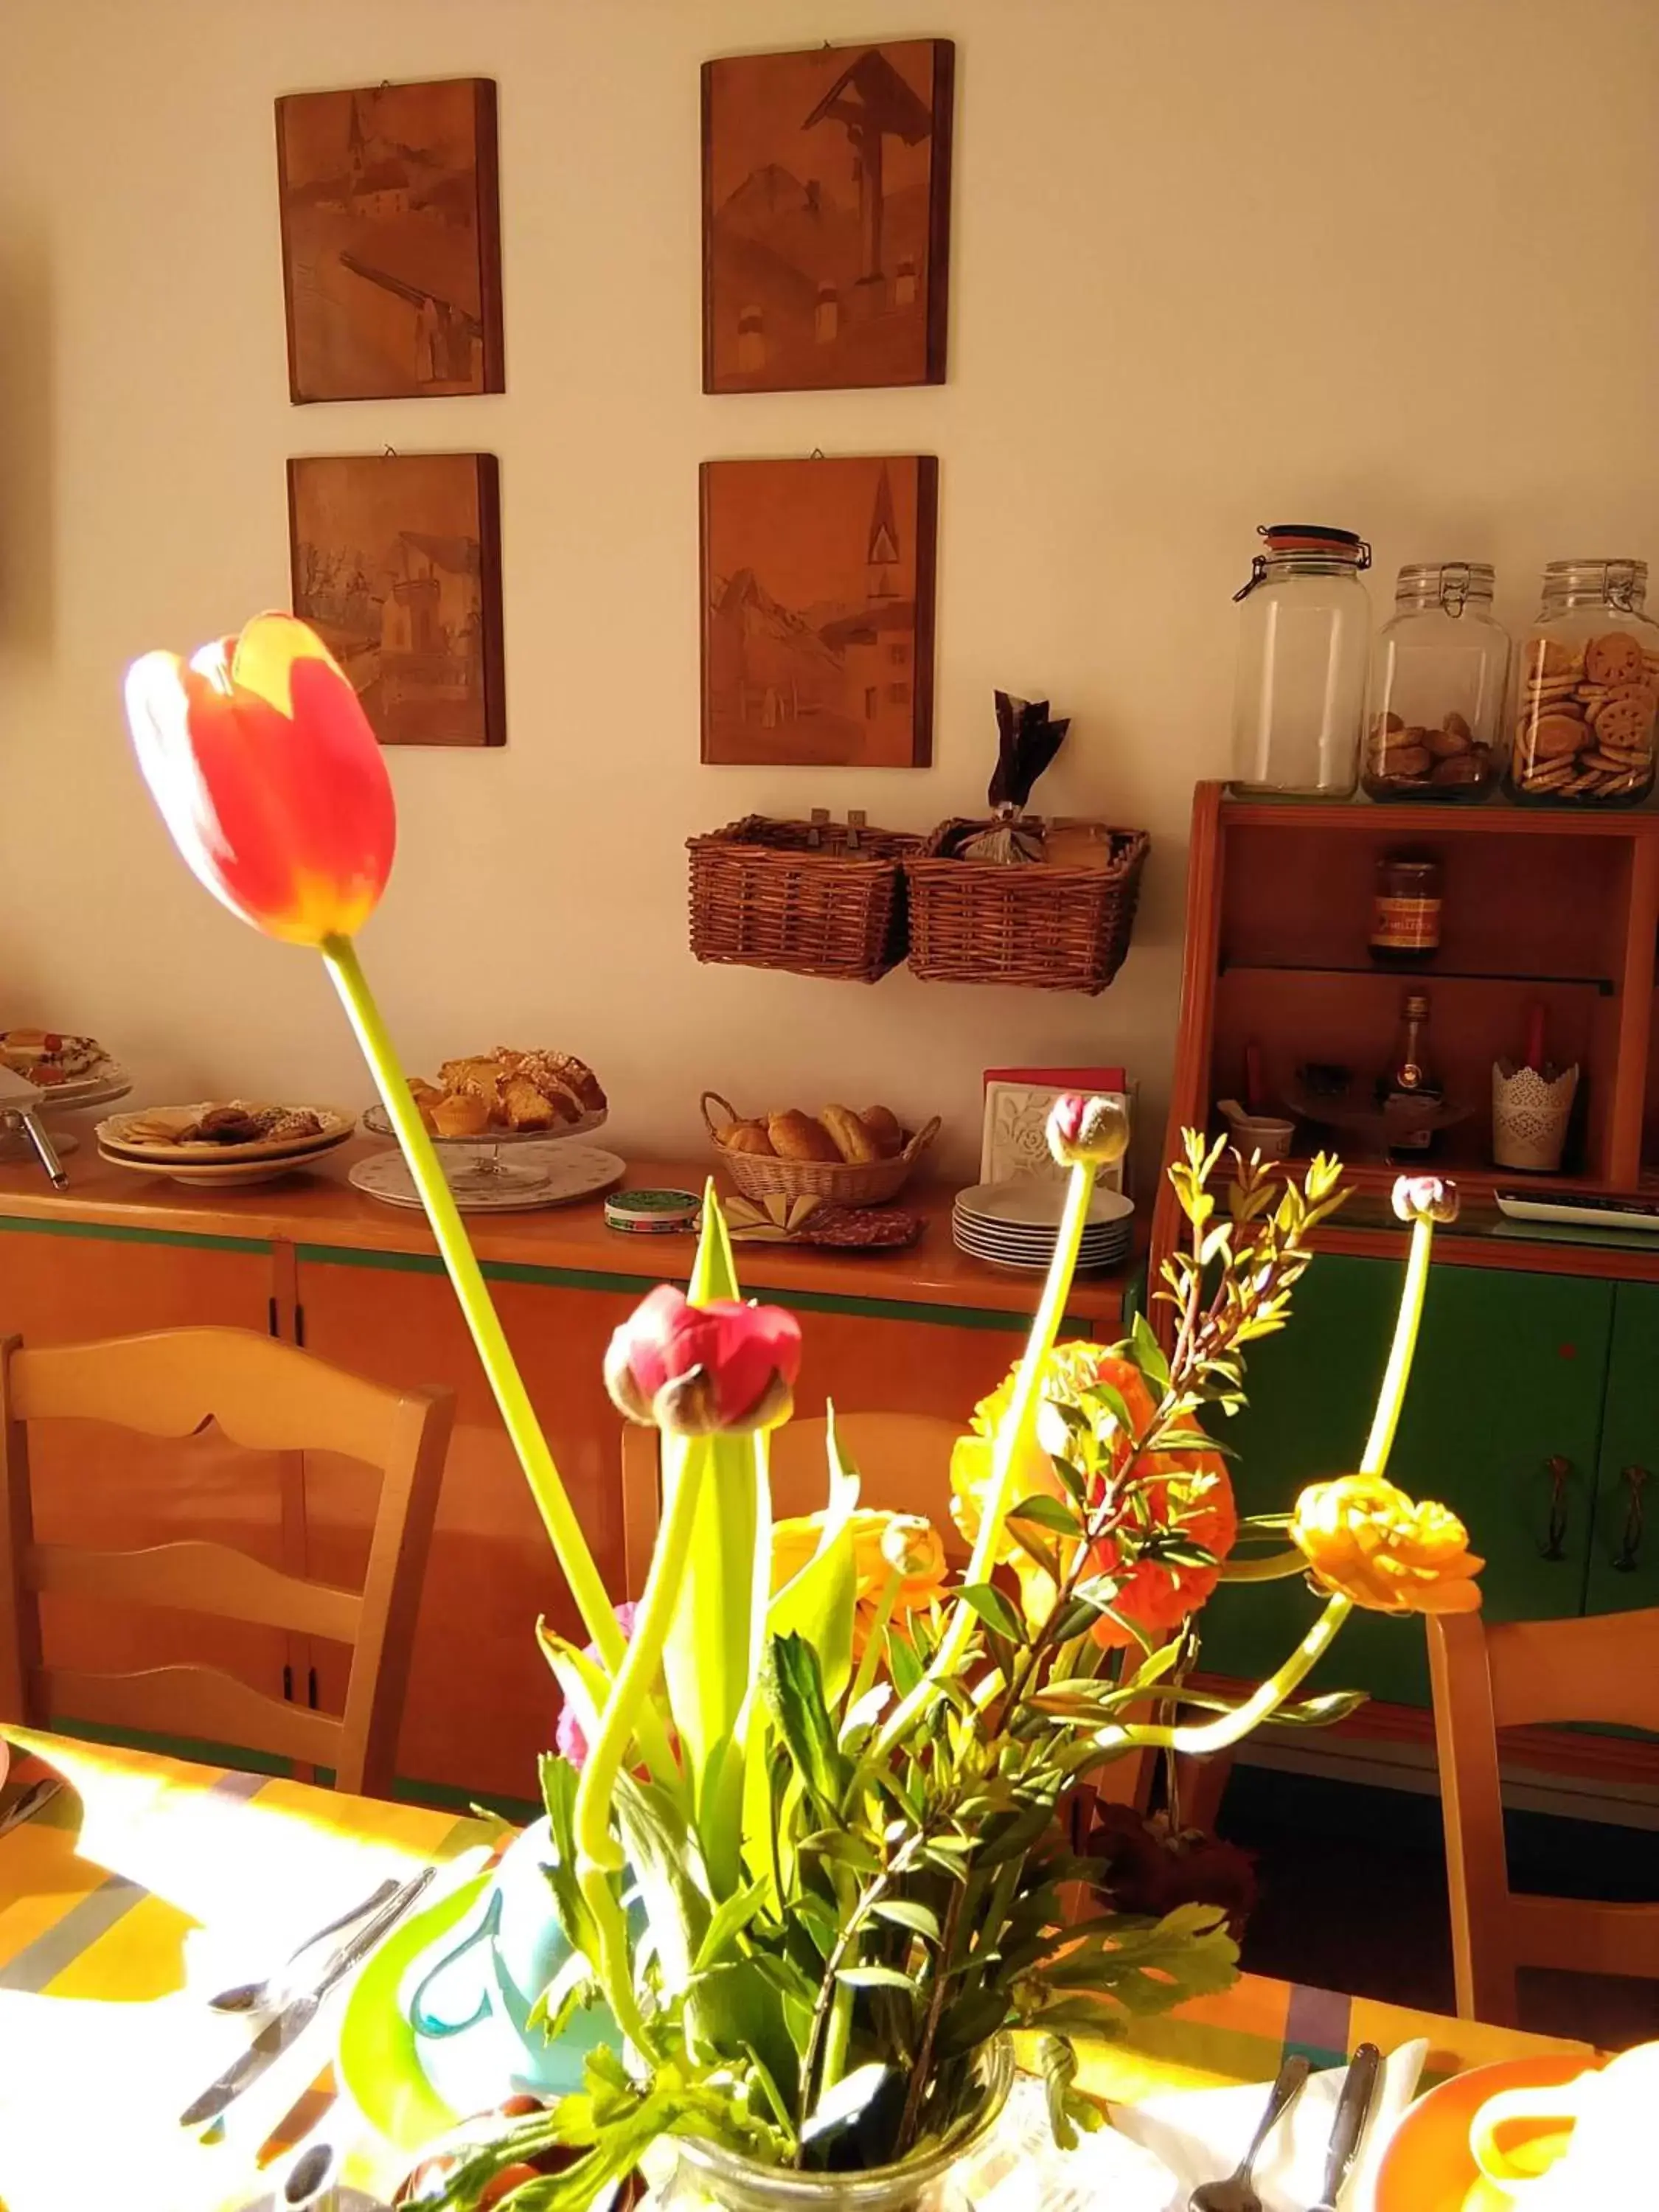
{"points": [[1508, 1378], [1624, 1542]]}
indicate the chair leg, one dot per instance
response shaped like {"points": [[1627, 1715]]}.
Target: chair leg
{"points": [[1202, 1784]]}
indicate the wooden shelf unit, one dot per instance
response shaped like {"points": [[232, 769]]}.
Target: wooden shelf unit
{"points": [[1555, 906]]}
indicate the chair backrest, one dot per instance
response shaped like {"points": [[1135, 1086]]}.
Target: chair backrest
{"points": [[265, 1396], [1518, 1674], [903, 1460]]}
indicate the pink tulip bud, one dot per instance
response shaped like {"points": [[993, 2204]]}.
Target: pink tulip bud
{"points": [[699, 1370], [569, 1739], [1087, 1132], [1425, 1198]]}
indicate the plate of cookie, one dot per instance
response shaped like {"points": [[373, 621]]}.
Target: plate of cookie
{"points": [[235, 1142], [504, 1096], [861, 1158]]}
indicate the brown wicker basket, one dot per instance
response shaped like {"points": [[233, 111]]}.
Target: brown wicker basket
{"points": [[1049, 928], [845, 1182], [764, 895]]}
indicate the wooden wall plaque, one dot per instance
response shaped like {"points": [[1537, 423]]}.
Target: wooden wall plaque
{"points": [[818, 611], [392, 251], [396, 562]]}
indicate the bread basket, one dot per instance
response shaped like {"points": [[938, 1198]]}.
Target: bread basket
{"points": [[843, 1182]]}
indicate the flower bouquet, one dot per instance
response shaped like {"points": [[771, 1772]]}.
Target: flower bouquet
{"points": [[806, 1842]]}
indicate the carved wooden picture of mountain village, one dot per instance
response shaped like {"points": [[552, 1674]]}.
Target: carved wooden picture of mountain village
{"points": [[818, 623], [391, 240], [826, 216], [397, 566]]}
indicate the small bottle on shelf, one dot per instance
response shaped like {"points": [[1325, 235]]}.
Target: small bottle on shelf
{"points": [[1406, 908], [1407, 1090]]}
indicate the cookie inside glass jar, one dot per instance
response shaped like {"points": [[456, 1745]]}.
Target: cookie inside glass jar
{"points": [[1586, 689], [1437, 693]]}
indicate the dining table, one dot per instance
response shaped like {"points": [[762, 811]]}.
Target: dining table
{"points": [[149, 1882]]}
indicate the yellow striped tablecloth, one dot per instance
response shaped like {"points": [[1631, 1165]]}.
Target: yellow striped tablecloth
{"points": [[152, 1882]]}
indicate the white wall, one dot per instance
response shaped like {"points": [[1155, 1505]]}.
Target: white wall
{"points": [[1386, 263]]}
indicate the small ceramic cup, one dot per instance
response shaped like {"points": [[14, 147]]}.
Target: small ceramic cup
{"points": [[1264, 1134]]}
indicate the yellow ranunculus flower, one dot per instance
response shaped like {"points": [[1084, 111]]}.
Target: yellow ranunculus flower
{"points": [[1371, 1542], [880, 1541]]}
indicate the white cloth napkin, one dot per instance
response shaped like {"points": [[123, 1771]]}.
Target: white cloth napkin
{"points": [[1200, 2134]]}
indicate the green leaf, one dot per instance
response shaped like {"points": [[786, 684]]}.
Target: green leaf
{"points": [[660, 1858], [793, 1691], [1111, 1400], [1057, 2064], [844, 2100], [1047, 1513], [994, 1609], [875, 1977], [1149, 1353], [903, 1912], [963, 2026], [901, 1660], [727, 1923], [714, 1274], [1321, 1711]]}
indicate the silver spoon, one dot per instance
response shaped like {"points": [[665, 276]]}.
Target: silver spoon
{"points": [[264, 1996], [1238, 2192]]}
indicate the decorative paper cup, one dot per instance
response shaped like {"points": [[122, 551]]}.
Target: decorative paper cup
{"points": [[1529, 1116]]}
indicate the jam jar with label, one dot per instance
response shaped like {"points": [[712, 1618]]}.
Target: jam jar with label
{"points": [[1406, 908]]}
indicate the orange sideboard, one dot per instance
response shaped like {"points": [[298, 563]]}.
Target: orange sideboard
{"points": [[315, 1262]]}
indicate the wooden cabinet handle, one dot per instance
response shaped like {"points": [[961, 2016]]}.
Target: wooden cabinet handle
{"points": [[1628, 1555], [1560, 1471]]}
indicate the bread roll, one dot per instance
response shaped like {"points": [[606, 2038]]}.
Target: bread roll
{"points": [[745, 1137], [797, 1136], [463, 1114], [852, 1140], [883, 1124]]}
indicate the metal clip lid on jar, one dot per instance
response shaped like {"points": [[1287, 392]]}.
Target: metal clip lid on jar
{"points": [[1307, 548]]}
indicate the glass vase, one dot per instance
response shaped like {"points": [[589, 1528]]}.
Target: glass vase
{"points": [[705, 2175]]}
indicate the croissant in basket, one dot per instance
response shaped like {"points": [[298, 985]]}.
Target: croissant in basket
{"points": [[854, 1158]]}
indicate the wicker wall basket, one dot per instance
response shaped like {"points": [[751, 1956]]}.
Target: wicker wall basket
{"points": [[1047, 928], [843, 1182], [792, 894]]}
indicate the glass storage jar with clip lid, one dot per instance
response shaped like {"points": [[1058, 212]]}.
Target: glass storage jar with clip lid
{"points": [[1304, 644], [1587, 689], [1437, 689]]}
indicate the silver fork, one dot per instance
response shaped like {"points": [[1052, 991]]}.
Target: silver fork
{"points": [[1237, 2193]]}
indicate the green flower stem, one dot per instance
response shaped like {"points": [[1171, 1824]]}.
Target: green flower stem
{"points": [[1014, 1431], [877, 1637], [558, 1517], [1392, 1396], [1271, 1567], [1232, 1727], [595, 1845]]}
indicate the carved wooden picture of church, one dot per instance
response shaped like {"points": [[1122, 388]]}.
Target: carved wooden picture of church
{"points": [[817, 612], [396, 565], [391, 240], [826, 209]]}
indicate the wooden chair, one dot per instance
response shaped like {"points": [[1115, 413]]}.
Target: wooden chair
{"points": [[265, 1396], [1519, 1675]]}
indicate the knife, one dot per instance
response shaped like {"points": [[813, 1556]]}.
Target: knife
{"points": [[1353, 2109], [283, 2033]]}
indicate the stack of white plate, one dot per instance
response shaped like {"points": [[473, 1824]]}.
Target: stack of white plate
{"points": [[1014, 1225]]}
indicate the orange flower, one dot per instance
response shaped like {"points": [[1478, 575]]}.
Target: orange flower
{"points": [[1371, 1542], [269, 777], [1194, 1495], [1187, 1491], [881, 1541]]}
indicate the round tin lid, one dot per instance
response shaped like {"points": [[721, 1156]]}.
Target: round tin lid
{"points": [[654, 1207]]}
